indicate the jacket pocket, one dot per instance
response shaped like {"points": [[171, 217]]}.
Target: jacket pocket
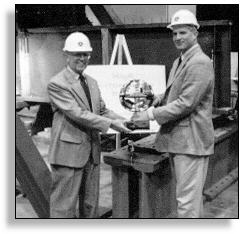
{"points": [[65, 136]]}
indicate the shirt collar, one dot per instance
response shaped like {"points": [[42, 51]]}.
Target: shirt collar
{"points": [[74, 74], [188, 51]]}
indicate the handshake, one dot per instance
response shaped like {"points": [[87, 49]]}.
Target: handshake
{"points": [[127, 126], [120, 125]]}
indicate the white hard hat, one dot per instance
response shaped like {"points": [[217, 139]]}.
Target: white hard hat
{"points": [[183, 17], [77, 42]]}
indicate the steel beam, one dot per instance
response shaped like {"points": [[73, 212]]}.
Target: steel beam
{"points": [[32, 172]]}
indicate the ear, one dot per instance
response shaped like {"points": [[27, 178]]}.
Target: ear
{"points": [[65, 55], [195, 34]]}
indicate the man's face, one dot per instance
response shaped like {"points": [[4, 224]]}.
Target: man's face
{"points": [[184, 37], [78, 61]]}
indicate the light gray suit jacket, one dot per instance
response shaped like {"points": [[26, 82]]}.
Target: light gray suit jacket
{"points": [[185, 114], [75, 129]]}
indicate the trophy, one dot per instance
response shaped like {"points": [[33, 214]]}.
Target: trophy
{"points": [[136, 96]]}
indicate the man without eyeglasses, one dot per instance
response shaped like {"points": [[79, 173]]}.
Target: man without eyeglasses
{"points": [[184, 112]]}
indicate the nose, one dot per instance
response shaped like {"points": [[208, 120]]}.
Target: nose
{"points": [[177, 36]]}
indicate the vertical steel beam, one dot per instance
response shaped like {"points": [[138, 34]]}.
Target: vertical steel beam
{"points": [[106, 45]]}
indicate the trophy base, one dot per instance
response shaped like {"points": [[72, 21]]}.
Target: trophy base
{"points": [[145, 125]]}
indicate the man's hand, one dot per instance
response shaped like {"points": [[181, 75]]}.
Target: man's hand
{"points": [[156, 101], [119, 125], [140, 116]]}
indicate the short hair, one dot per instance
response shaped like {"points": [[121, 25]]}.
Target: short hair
{"points": [[193, 28]]}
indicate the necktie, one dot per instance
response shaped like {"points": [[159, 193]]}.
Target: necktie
{"points": [[86, 89], [179, 63]]}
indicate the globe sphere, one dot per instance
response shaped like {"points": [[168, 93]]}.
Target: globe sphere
{"points": [[136, 95]]}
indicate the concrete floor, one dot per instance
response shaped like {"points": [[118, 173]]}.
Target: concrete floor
{"points": [[223, 206]]}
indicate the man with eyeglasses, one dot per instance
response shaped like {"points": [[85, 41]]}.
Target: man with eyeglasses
{"points": [[80, 114]]}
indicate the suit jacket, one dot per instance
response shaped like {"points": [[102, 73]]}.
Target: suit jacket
{"points": [[185, 114], [75, 129]]}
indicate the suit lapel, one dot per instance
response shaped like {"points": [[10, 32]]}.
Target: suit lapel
{"points": [[179, 69], [175, 72], [172, 73], [80, 92], [93, 91], [77, 88]]}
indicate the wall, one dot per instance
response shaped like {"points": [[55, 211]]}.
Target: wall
{"points": [[145, 14], [148, 44]]}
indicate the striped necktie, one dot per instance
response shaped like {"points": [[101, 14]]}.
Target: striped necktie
{"points": [[86, 89]]}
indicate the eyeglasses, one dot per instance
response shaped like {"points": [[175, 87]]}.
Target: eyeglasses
{"points": [[80, 54]]}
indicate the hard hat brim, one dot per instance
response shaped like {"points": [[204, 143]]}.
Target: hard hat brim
{"points": [[85, 50], [170, 26]]}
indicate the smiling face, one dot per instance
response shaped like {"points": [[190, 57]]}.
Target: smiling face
{"points": [[184, 37], [78, 61]]}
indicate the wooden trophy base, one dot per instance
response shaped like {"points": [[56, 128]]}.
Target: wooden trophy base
{"points": [[135, 125]]}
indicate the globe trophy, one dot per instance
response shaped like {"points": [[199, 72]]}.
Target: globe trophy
{"points": [[136, 96]]}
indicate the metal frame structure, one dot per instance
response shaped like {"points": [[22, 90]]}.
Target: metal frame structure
{"points": [[152, 44]]}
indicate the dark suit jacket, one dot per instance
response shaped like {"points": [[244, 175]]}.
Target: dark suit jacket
{"points": [[185, 114], [75, 129]]}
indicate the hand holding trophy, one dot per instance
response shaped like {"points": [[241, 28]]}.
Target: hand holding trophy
{"points": [[136, 96]]}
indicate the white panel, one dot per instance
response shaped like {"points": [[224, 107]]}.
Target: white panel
{"points": [[112, 78]]}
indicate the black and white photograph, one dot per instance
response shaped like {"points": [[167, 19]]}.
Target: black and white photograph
{"points": [[126, 111]]}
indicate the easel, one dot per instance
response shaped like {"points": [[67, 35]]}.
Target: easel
{"points": [[120, 45]]}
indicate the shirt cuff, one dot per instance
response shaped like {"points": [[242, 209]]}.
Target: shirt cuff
{"points": [[150, 113]]}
